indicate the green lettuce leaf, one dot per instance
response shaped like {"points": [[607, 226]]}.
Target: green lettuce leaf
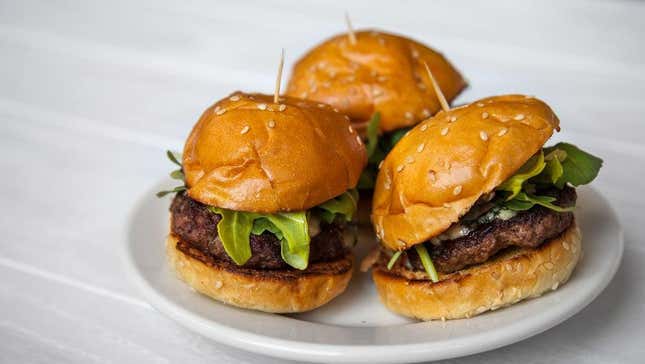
{"points": [[427, 262], [553, 169], [531, 168], [343, 206], [579, 167]]}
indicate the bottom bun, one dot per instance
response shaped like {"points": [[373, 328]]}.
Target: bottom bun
{"points": [[504, 280], [279, 291]]}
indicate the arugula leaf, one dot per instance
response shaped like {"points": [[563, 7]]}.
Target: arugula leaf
{"points": [[289, 227], [262, 224], [174, 190], [553, 169], [531, 168], [393, 260], [234, 229], [579, 167], [524, 201], [427, 262], [343, 205], [173, 158], [372, 134], [177, 174], [294, 245]]}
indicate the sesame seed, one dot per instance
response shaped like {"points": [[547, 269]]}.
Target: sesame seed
{"points": [[216, 109], [351, 130], [554, 286], [453, 119], [377, 92], [262, 106], [282, 107], [380, 164], [235, 98], [421, 86], [358, 139], [483, 135], [565, 246], [444, 131], [381, 40], [424, 127], [502, 132], [336, 110], [457, 190], [220, 111], [321, 105], [218, 284], [426, 113], [373, 73], [479, 104], [408, 115], [519, 117], [332, 74], [432, 175], [326, 84], [400, 168], [420, 147], [548, 265], [415, 53], [409, 159], [271, 123], [346, 117], [304, 94], [484, 115], [245, 130], [382, 78]]}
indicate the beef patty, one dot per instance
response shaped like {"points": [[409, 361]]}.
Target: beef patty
{"points": [[526, 229], [195, 224]]}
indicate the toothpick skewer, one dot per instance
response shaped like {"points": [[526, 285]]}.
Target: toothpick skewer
{"points": [[278, 80], [437, 90], [350, 29]]}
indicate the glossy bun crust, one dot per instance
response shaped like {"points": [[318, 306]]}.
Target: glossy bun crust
{"points": [[507, 279], [247, 153], [441, 167], [381, 72], [264, 290]]}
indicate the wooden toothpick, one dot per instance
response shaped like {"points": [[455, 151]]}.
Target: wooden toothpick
{"points": [[437, 90], [350, 29], [278, 80]]}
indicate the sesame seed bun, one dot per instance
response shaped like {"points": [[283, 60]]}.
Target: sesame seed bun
{"points": [[247, 153], [438, 171], [380, 72], [279, 291], [510, 277]]}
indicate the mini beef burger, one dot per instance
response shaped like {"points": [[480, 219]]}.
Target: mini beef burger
{"points": [[269, 190], [474, 213], [379, 80]]}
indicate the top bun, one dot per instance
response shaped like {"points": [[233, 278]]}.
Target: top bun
{"points": [[437, 171], [247, 153], [381, 72]]}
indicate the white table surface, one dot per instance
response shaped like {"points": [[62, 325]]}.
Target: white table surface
{"points": [[92, 93]]}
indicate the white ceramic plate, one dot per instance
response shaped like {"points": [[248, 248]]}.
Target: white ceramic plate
{"points": [[355, 327]]}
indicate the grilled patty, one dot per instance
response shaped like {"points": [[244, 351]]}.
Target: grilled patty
{"points": [[526, 229], [194, 224]]}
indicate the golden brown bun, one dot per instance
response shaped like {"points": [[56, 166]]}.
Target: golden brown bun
{"points": [[269, 291], [516, 275], [247, 153], [436, 173], [381, 72]]}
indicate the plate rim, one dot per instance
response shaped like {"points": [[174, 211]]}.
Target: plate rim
{"points": [[320, 352]]}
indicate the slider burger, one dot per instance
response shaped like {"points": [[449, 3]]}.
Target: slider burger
{"points": [[269, 191], [474, 213], [379, 81]]}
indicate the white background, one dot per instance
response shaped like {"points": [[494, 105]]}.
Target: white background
{"points": [[92, 93]]}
